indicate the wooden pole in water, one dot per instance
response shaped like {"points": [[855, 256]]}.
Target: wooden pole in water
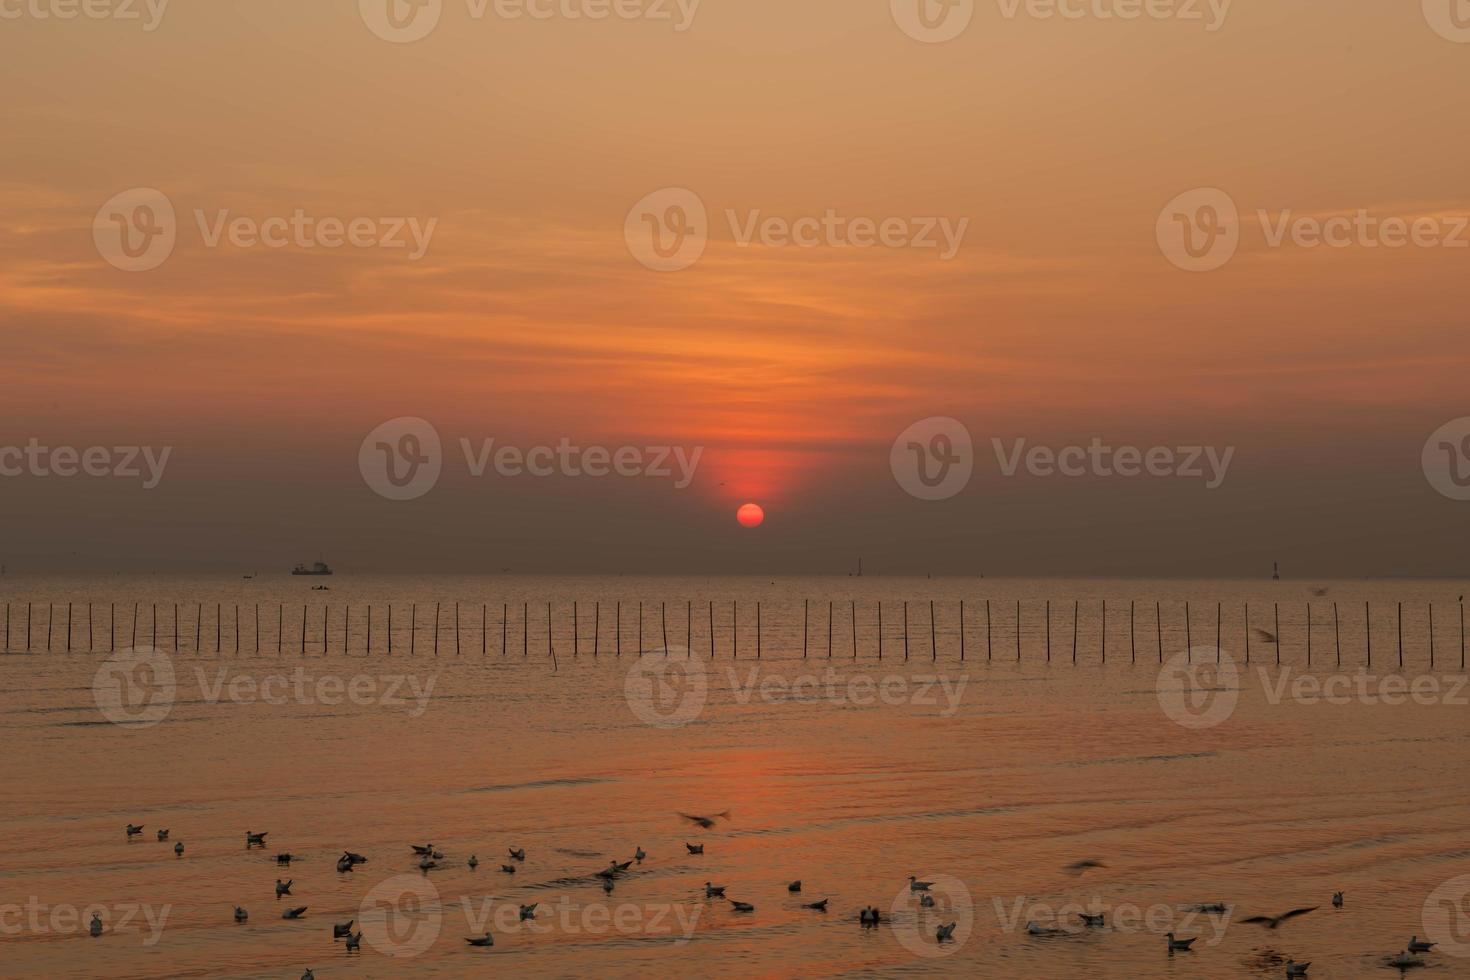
{"points": [[1132, 633], [1431, 636], [90, 641], [68, 627], [663, 620], [456, 629], [987, 631], [1048, 631], [369, 651], [1159, 628], [237, 627], [962, 630], [413, 628], [303, 630], [1188, 636], [933, 642], [198, 626], [734, 629], [640, 626], [132, 643], [1368, 630], [484, 626], [1219, 607], [854, 630], [1105, 631], [257, 624], [905, 631], [1337, 633], [712, 629], [1462, 632], [51, 618], [618, 631], [28, 627], [576, 639], [390, 631], [880, 629], [1018, 631], [436, 629], [1076, 611], [829, 629], [1309, 634], [1247, 633], [1401, 636], [525, 630], [805, 615], [596, 628], [1278, 633]]}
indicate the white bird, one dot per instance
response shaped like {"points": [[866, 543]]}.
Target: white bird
{"points": [[915, 885], [96, 928]]}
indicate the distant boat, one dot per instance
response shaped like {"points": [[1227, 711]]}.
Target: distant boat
{"points": [[317, 568]]}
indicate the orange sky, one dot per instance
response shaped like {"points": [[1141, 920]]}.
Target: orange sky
{"points": [[527, 141]]}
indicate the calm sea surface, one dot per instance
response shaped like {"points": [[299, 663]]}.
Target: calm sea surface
{"points": [[1245, 785]]}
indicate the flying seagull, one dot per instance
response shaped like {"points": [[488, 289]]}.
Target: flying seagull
{"points": [[255, 840], [1083, 866], [1417, 945], [694, 848], [1271, 922], [945, 933], [705, 822], [283, 888]]}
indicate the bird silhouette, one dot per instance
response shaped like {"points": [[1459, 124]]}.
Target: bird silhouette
{"points": [[705, 822], [1273, 921]]}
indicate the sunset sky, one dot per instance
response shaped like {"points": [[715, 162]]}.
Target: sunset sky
{"points": [[528, 319]]}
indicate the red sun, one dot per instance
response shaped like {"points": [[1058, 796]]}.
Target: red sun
{"points": [[750, 515]]}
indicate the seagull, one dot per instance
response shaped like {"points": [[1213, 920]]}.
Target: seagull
{"points": [[1033, 929], [308, 975], [1266, 635], [354, 857], [473, 862], [255, 840], [1404, 960], [1271, 922], [1085, 865], [1092, 921], [529, 911], [870, 916], [1216, 907], [485, 940], [926, 901], [354, 943], [1179, 944], [134, 829], [622, 865], [437, 855], [509, 869], [817, 906], [179, 849], [1295, 969], [343, 865], [638, 855], [610, 871], [341, 930], [427, 863], [795, 886], [714, 891], [422, 849], [945, 933], [96, 928], [519, 853], [742, 906], [915, 885], [705, 823], [163, 835], [283, 888], [694, 848], [1417, 945], [607, 886], [295, 913], [240, 914], [1319, 592], [283, 858], [1337, 900]]}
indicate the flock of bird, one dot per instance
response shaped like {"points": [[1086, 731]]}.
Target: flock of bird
{"points": [[429, 858]]}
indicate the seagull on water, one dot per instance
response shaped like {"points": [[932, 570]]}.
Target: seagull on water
{"points": [[255, 840], [422, 849], [179, 849], [1337, 900], [795, 886], [240, 914], [714, 891], [354, 943], [817, 906], [926, 901], [343, 865], [341, 930], [519, 853], [1091, 921], [1295, 969], [308, 975], [1181, 945], [427, 863], [1404, 960], [134, 829], [694, 848], [473, 862], [529, 911], [354, 857], [1417, 945], [485, 940], [742, 906], [1083, 866], [607, 886], [945, 933], [283, 888], [1272, 921], [509, 869], [283, 858], [915, 885], [96, 928], [1216, 907], [638, 855], [295, 913], [163, 835], [870, 916]]}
